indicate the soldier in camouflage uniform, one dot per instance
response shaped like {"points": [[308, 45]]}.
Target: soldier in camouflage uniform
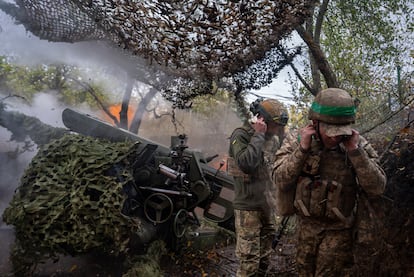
{"points": [[325, 168], [252, 150]]}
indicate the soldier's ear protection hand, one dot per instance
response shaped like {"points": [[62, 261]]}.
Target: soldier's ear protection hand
{"points": [[255, 106], [257, 109], [315, 125]]}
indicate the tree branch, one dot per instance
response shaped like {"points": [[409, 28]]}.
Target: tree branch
{"points": [[91, 91], [297, 73], [319, 20], [319, 57], [136, 121]]}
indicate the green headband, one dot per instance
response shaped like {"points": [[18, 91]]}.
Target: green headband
{"points": [[333, 111]]}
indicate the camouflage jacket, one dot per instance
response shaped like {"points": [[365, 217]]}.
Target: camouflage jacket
{"points": [[327, 182], [251, 158]]}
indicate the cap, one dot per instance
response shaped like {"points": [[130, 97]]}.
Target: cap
{"points": [[333, 130]]}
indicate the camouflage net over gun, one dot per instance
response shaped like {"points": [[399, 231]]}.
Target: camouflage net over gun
{"points": [[21, 126], [69, 201], [185, 38]]}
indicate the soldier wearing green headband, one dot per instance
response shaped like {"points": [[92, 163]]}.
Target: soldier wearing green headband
{"points": [[324, 169]]}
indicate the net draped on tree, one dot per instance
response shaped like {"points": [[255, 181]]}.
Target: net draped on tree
{"points": [[189, 39]]}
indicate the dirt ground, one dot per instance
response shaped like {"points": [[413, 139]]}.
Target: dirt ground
{"points": [[213, 261], [223, 262]]}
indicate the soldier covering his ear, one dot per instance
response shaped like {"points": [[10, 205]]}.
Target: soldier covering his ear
{"points": [[326, 167], [252, 150]]}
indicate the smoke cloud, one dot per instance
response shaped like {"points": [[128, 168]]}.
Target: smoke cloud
{"points": [[207, 134]]}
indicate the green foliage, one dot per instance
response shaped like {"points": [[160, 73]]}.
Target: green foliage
{"points": [[206, 104], [20, 79], [364, 40], [66, 81], [298, 116], [298, 113]]}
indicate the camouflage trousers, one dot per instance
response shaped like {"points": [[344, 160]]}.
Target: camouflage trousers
{"points": [[324, 252], [255, 231]]}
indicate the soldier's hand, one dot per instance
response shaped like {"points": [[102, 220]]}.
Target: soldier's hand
{"points": [[306, 134], [259, 125], [351, 143]]}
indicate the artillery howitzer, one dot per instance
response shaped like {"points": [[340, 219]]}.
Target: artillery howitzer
{"points": [[106, 189], [170, 182]]}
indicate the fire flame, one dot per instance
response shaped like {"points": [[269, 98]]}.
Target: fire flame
{"points": [[115, 110]]}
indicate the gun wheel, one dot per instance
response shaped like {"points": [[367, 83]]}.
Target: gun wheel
{"points": [[180, 223], [158, 208]]}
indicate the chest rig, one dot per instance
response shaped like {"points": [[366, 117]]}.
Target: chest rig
{"points": [[327, 187]]}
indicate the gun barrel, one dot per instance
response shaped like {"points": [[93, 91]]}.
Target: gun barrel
{"points": [[168, 191], [91, 126], [88, 125]]}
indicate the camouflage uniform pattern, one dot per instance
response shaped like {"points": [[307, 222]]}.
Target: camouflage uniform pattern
{"points": [[325, 233], [251, 157], [255, 231]]}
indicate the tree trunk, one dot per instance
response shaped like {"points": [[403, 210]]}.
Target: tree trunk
{"points": [[315, 73], [123, 114], [319, 57], [136, 121]]}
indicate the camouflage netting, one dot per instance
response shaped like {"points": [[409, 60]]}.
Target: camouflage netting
{"points": [[70, 198], [58, 20], [186, 38], [22, 126]]}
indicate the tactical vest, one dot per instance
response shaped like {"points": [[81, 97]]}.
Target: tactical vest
{"points": [[327, 187]]}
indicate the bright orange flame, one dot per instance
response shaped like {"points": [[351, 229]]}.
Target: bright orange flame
{"points": [[115, 110]]}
